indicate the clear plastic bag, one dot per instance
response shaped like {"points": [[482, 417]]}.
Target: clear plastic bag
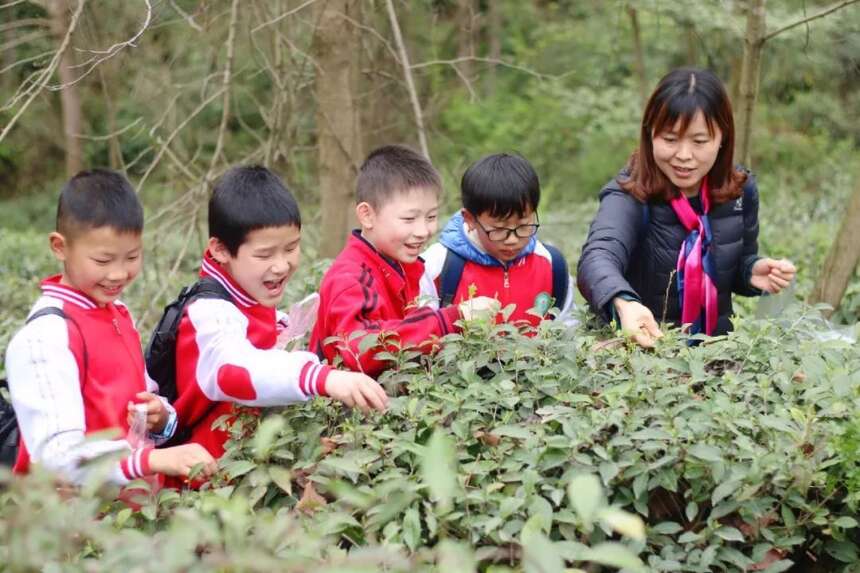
{"points": [[138, 438], [300, 320]]}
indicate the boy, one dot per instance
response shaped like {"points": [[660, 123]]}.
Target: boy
{"points": [[226, 349], [492, 244], [372, 285], [76, 366]]}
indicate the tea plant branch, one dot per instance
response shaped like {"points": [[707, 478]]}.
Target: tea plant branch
{"points": [[802, 21], [407, 74], [46, 74], [101, 56]]}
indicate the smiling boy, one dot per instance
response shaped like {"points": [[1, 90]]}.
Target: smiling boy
{"points": [[226, 350], [492, 245], [372, 286], [76, 367]]}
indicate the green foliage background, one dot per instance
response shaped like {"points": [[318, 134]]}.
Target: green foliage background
{"points": [[729, 452]]}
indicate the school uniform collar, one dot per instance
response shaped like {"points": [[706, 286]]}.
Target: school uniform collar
{"points": [[51, 287], [216, 271], [363, 244]]}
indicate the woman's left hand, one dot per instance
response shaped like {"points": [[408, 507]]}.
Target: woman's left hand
{"points": [[771, 275]]}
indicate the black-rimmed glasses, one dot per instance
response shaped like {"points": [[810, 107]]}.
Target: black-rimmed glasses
{"points": [[499, 234]]}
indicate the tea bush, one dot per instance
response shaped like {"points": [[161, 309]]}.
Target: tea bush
{"points": [[724, 448]]}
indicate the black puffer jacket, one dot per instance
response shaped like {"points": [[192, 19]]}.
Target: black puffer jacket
{"points": [[633, 252]]}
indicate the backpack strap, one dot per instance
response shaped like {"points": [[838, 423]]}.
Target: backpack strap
{"points": [[55, 311], [449, 278], [207, 288], [559, 275]]}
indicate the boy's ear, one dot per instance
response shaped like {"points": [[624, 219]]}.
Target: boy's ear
{"points": [[219, 250], [469, 219], [365, 214], [58, 244]]}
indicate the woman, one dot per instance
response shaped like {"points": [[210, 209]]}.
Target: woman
{"points": [[677, 230]]}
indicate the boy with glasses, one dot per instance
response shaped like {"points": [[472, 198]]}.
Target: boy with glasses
{"points": [[491, 245]]}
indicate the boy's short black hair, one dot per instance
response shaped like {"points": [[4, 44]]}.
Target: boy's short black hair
{"points": [[98, 198], [502, 185], [248, 198], [394, 169]]}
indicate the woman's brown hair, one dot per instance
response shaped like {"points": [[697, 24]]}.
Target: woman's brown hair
{"points": [[679, 96]]}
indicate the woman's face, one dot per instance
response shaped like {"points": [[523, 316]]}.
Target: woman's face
{"points": [[686, 159]]}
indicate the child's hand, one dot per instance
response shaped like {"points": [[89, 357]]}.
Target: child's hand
{"points": [[637, 322], [356, 390], [479, 306], [179, 461], [156, 412], [772, 276]]}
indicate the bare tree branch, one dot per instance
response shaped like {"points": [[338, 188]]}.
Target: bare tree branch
{"points": [[228, 76], [454, 61], [173, 134], [282, 16], [100, 56], [187, 17], [47, 72], [407, 73], [800, 22]]}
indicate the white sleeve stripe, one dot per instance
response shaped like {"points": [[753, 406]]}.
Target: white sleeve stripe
{"points": [[314, 375]]}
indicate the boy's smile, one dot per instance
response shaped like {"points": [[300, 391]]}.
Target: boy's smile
{"points": [[264, 262], [99, 262], [401, 228]]}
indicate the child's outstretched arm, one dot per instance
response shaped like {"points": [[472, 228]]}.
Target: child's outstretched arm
{"points": [[230, 368]]}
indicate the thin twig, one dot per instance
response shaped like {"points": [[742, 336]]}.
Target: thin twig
{"points": [[108, 135], [494, 61], [225, 85], [802, 21], [282, 16], [173, 134], [100, 56], [11, 4], [407, 73], [47, 72], [188, 17]]}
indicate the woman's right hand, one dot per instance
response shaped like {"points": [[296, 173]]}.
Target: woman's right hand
{"points": [[637, 322], [179, 460]]}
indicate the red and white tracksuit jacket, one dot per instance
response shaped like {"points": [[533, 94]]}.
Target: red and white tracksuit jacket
{"points": [[226, 355], [525, 282], [367, 292], [60, 396]]}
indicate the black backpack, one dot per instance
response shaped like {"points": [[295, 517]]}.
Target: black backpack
{"points": [[9, 432], [452, 272], [160, 353]]}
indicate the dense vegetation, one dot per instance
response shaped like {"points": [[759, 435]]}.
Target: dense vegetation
{"points": [[506, 451]]}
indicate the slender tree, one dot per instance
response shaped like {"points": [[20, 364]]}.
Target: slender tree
{"points": [[70, 99], [336, 51]]}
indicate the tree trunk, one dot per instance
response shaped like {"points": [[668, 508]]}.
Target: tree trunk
{"points": [[494, 32], [691, 43], [638, 57], [70, 100], [841, 261], [748, 87], [336, 49], [465, 36]]}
